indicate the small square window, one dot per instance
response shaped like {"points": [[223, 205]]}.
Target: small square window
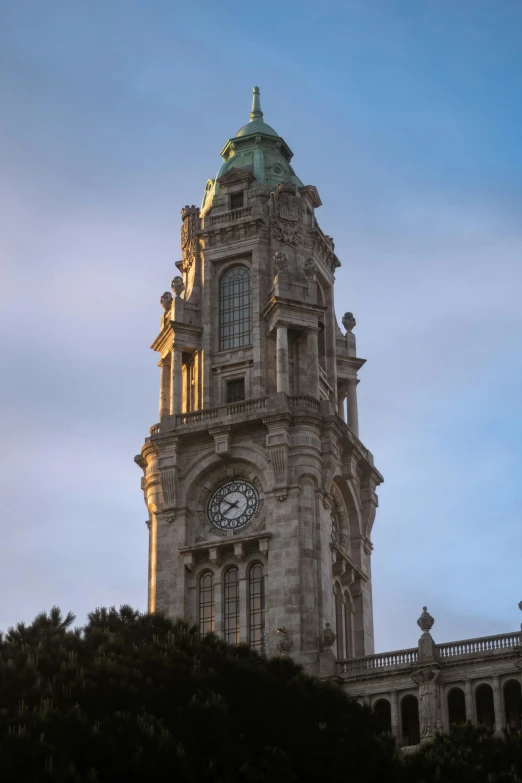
{"points": [[236, 200], [236, 390]]}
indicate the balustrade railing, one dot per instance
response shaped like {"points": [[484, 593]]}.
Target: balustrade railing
{"points": [[503, 641], [246, 406], [304, 402], [227, 217], [370, 663], [235, 408], [221, 412], [401, 658]]}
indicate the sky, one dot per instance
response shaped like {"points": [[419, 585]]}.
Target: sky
{"points": [[406, 115]]}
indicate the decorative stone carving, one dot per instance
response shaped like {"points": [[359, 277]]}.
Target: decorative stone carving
{"points": [[279, 462], [178, 286], [349, 322], [327, 638], [334, 529], [310, 269], [285, 643], [429, 700], [286, 210], [427, 649], [280, 262], [189, 243], [425, 621], [166, 301], [168, 484]]}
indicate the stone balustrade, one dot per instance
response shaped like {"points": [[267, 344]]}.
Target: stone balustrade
{"points": [[467, 648], [484, 644], [304, 402], [228, 217], [222, 412], [370, 663]]}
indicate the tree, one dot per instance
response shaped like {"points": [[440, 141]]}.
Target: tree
{"points": [[468, 754], [138, 697]]}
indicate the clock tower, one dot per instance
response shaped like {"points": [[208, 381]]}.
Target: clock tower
{"points": [[261, 497]]}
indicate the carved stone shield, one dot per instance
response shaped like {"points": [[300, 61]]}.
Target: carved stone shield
{"points": [[286, 214]]}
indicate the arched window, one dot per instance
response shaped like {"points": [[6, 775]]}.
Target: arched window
{"points": [[256, 607], [206, 602], [235, 321], [456, 706], [410, 720], [485, 706], [231, 606], [382, 710]]}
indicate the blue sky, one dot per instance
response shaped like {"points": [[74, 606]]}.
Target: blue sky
{"points": [[407, 118]]}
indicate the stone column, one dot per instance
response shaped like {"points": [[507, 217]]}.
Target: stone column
{"points": [[394, 705], [164, 400], [312, 362], [176, 382], [341, 409], [497, 704], [468, 696], [282, 358], [353, 414]]}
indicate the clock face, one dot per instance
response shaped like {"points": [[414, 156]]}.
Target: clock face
{"points": [[233, 505]]}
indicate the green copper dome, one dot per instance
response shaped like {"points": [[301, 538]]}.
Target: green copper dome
{"points": [[256, 126], [257, 148]]}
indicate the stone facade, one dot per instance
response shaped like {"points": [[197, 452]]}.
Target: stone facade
{"points": [[420, 691], [261, 497], [288, 439]]}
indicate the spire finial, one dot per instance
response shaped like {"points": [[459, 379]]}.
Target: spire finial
{"points": [[256, 105]]}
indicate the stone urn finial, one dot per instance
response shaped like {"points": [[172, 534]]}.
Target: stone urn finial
{"points": [[425, 621], [166, 300], [177, 286], [280, 262], [285, 643], [327, 638], [349, 322]]}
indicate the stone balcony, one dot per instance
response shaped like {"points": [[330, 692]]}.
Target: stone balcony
{"points": [[238, 412], [481, 648]]}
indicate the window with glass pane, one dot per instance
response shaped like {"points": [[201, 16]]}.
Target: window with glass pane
{"points": [[236, 200], [206, 602], [256, 607], [231, 606], [236, 390], [235, 325]]}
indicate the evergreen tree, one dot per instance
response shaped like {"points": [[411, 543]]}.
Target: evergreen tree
{"points": [[139, 697], [468, 754]]}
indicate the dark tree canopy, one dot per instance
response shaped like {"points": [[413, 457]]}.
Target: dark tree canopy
{"points": [[136, 697]]}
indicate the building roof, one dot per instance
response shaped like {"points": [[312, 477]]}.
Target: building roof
{"points": [[256, 147]]}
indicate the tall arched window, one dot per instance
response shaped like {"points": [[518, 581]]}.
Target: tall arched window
{"points": [[206, 602], [235, 321], [256, 607], [231, 606]]}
